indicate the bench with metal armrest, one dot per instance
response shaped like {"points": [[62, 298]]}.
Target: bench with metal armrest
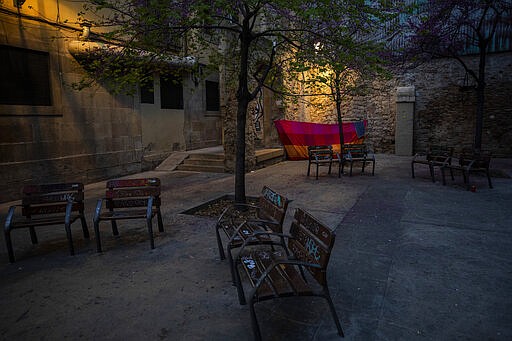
{"points": [[44, 205], [355, 153], [129, 199], [435, 156], [298, 270]]}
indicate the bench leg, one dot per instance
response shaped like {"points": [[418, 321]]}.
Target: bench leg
{"points": [[219, 243], [70, 239], [431, 169], [442, 174], [97, 234], [8, 243], [412, 169], [466, 178], [309, 167], [317, 171], [351, 164], [115, 231], [33, 235], [489, 178], [160, 221], [150, 231], [373, 168], [231, 265], [333, 312], [239, 287], [84, 226], [254, 321]]}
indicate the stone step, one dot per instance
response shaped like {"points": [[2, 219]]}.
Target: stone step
{"points": [[268, 154], [201, 168], [205, 156], [204, 162]]}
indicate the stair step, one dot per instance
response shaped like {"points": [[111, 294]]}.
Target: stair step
{"points": [[267, 154], [197, 168], [204, 156], [203, 162]]}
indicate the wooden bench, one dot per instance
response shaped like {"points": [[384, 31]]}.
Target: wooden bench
{"points": [[469, 163], [320, 156], [299, 270], [240, 222], [44, 205], [435, 156], [130, 199], [353, 153]]}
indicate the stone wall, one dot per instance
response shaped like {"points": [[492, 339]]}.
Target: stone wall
{"points": [[444, 110], [446, 105], [87, 135]]}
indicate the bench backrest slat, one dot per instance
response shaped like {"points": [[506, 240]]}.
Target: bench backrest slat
{"points": [[481, 161], [29, 211], [273, 206], [355, 150], [320, 152], [312, 242], [51, 198], [119, 183], [438, 153], [126, 193]]}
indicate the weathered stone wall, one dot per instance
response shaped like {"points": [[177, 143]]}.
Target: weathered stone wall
{"points": [[444, 108], [86, 135]]}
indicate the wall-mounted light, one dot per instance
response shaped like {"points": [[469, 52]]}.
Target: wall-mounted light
{"points": [[18, 3]]}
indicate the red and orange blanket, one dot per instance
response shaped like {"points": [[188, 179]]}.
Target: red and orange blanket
{"points": [[297, 136]]}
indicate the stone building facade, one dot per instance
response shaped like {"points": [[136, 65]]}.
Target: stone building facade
{"points": [[52, 133]]}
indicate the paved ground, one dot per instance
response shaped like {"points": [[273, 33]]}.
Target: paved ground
{"points": [[412, 260]]}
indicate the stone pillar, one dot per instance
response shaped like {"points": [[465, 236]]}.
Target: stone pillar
{"points": [[404, 128]]}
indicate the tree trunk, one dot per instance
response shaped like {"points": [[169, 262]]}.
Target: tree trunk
{"points": [[243, 98], [480, 100], [338, 112]]}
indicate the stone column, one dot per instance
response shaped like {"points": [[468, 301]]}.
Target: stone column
{"points": [[404, 128]]}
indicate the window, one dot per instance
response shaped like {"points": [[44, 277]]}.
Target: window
{"points": [[25, 77], [147, 93], [212, 96], [171, 92]]}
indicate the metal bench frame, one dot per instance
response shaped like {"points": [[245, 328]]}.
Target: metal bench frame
{"points": [[320, 156], [129, 199], [353, 153], [45, 205], [469, 163], [241, 222], [435, 156], [300, 270]]}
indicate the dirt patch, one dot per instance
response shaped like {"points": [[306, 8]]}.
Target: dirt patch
{"points": [[215, 207]]}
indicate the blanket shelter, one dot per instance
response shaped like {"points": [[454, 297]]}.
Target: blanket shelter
{"points": [[297, 136]]}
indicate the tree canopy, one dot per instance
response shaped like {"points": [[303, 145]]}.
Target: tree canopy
{"points": [[261, 32], [455, 28]]}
